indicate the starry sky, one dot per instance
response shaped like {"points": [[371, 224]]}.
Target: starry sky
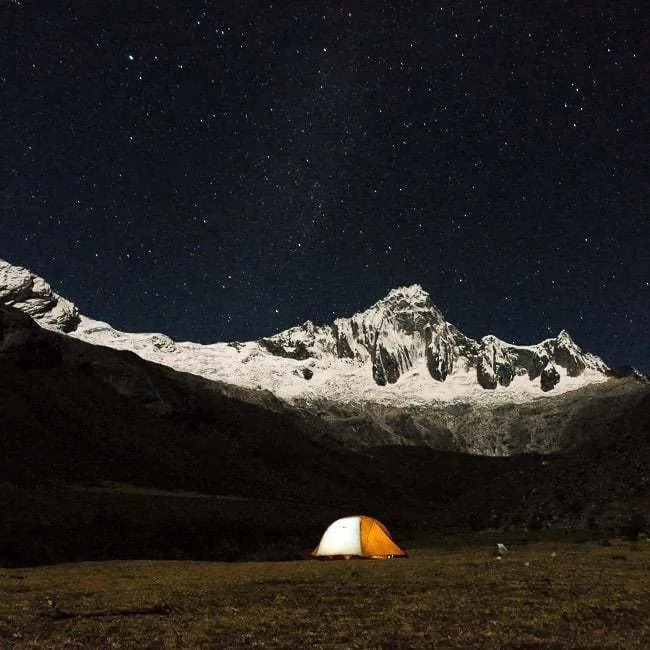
{"points": [[225, 170]]}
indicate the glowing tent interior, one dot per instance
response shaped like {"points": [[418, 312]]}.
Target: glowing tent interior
{"points": [[357, 537]]}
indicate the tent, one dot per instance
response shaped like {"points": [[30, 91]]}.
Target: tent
{"points": [[357, 537]]}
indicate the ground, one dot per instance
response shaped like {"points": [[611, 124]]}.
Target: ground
{"points": [[542, 595]]}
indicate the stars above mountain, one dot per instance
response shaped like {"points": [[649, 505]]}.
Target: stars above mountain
{"points": [[227, 171]]}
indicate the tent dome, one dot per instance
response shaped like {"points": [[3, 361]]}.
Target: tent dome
{"points": [[357, 537]]}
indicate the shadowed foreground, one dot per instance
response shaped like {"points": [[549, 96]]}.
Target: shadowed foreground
{"points": [[545, 595]]}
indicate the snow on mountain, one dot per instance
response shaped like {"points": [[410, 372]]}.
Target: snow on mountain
{"points": [[31, 294], [401, 350]]}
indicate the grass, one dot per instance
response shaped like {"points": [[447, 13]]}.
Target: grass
{"points": [[543, 595]]}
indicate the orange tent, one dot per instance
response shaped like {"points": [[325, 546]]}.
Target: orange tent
{"points": [[357, 537]]}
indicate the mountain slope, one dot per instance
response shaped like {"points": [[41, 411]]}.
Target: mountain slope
{"points": [[540, 425], [73, 412], [600, 483]]}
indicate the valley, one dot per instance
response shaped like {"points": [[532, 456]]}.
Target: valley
{"points": [[107, 455]]}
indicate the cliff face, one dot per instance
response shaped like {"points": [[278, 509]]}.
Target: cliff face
{"points": [[406, 327]]}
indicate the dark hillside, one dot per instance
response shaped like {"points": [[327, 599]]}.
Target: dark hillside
{"points": [[601, 483], [84, 414], [73, 414]]}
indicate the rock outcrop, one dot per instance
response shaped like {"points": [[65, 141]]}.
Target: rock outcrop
{"points": [[22, 289]]}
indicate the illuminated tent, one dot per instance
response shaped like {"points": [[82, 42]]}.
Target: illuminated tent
{"points": [[357, 537]]}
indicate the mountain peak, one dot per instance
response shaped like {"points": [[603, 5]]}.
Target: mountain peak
{"points": [[406, 298], [415, 290], [564, 337], [410, 291]]}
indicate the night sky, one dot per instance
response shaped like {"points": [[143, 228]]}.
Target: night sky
{"points": [[225, 170]]}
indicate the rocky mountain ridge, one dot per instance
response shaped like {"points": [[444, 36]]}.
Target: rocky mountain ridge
{"points": [[397, 331], [400, 350]]}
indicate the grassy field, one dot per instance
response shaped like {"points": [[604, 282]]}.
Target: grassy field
{"points": [[542, 595]]}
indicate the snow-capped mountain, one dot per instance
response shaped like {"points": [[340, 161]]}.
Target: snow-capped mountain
{"points": [[401, 350]]}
